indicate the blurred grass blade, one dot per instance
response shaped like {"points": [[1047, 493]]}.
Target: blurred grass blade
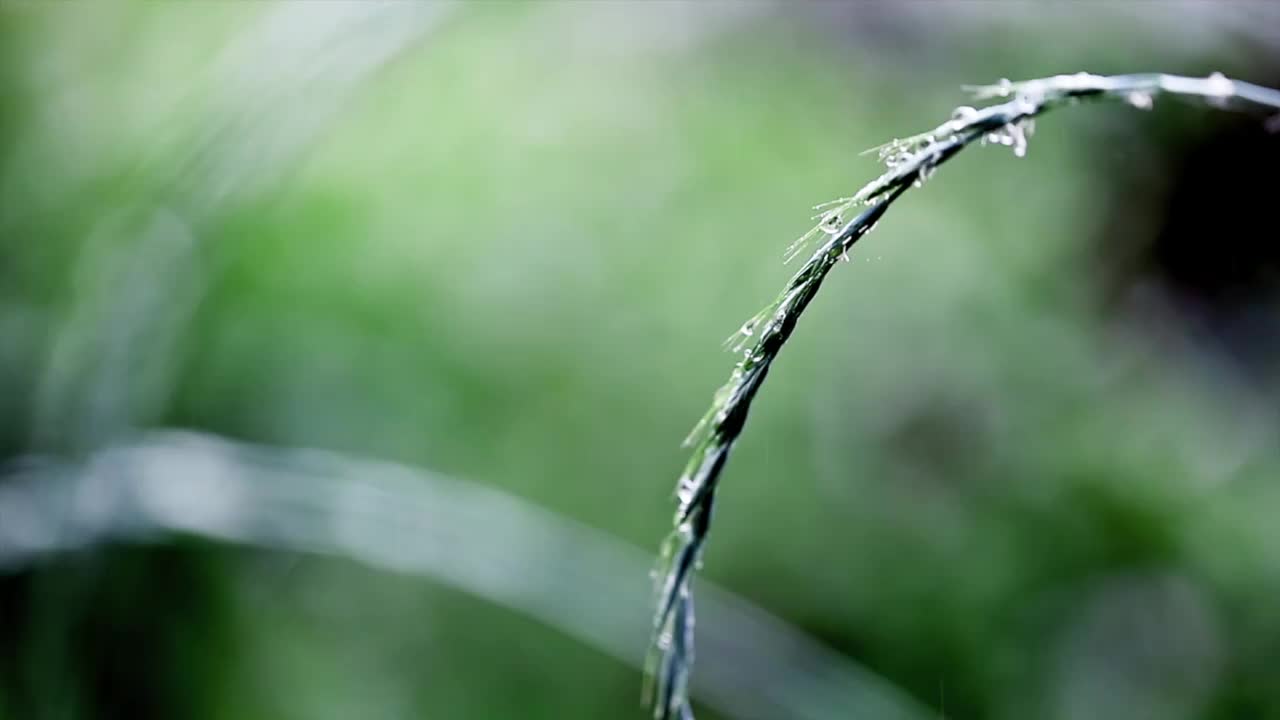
{"points": [[478, 539]]}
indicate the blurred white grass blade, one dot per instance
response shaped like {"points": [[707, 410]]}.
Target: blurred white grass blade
{"points": [[271, 94], [113, 360], [284, 80], [506, 550]]}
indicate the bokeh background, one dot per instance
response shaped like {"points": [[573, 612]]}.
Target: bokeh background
{"points": [[346, 350]]}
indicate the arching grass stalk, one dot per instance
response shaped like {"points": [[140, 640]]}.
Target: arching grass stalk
{"points": [[911, 161]]}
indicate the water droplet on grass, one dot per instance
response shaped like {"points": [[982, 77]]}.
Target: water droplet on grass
{"points": [[1140, 99], [684, 493], [831, 223], [1220, 85], [1220, 89], [1013, 135]]}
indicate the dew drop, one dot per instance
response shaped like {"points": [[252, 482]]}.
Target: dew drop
{"points": [[1018, 139], [830, 223], [960, 118], [1013, 135], [1220, 85], [1220, 89], [685, 495], [1140, 99]]}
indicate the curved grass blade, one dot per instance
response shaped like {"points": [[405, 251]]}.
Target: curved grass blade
{"points": [[911, 161]]}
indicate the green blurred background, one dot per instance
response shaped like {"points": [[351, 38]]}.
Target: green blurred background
{"points": [[1019, 460]]}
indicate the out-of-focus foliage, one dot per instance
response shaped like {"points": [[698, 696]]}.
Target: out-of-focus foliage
{"points": [[503, 241]]}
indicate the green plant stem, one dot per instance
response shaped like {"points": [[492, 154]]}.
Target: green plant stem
{"points": [[911, 162]]}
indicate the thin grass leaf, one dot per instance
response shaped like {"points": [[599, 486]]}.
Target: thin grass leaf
{"points": [[910, 161]]}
